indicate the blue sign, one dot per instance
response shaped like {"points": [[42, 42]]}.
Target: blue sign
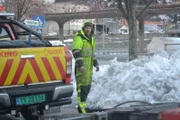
{"points": [[40, 19]]}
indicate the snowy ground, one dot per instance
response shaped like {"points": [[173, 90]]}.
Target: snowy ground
{"points": [[155, 79]]}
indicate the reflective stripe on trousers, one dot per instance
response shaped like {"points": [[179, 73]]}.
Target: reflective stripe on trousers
{"points": [[83, 92]]}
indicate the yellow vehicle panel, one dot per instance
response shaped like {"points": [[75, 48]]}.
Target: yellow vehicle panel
{"points": [[31, 65]]}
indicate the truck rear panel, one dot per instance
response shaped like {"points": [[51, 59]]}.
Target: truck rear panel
{"points": [[32, 65]]}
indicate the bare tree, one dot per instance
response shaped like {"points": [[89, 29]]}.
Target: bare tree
{"points": [[93, 4], [128, 9], [25, 8], [97, 4]]}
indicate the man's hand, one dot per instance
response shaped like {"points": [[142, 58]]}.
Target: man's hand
{"points": [[82, 69], [97, 68]]}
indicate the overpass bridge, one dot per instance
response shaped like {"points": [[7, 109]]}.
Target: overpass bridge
{"points": [[110, 13], [61, 18]]}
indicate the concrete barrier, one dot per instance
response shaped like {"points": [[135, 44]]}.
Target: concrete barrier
{"points": [[111, 51], [169, 44]]}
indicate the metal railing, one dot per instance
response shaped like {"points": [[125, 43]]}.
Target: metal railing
{"points": [[111, 51]]}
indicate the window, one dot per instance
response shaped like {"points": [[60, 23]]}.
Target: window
{"points": [[23, 34], [3, 34]]}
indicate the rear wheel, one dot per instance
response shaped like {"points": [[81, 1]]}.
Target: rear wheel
{"points": [[29, 114]]}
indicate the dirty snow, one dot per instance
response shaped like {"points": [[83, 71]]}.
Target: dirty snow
{"points": [[154, 79]]}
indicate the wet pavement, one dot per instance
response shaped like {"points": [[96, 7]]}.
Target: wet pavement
{"points": [[55, 113]]}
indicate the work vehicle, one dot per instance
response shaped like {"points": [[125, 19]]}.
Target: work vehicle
{"points": [[34, 74]]}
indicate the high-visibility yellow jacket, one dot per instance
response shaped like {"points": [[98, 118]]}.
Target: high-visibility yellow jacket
{"points": [[83, 51]]}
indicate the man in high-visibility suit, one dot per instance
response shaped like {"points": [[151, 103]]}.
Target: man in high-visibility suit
{"points": [[83, 48]]}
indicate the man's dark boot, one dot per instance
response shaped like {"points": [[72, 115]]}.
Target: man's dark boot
{"points": [[87, 110], [79, 110]]}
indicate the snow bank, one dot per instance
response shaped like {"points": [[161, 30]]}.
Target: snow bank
{"points": [[155, 79]]}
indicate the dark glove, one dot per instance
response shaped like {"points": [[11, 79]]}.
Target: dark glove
{"points": [[97, 68]]}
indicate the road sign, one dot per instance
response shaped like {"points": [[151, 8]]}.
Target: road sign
{"points": [[40, 19], [39, 31], [31, 22]]}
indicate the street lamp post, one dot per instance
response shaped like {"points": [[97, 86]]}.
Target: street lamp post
{"points": [[103, 34], [95, 27]]}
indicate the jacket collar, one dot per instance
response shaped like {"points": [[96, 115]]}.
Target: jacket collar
{"points": [[82, 32]]}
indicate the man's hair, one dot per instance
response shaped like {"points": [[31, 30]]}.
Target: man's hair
{"points": [[88, 24]]}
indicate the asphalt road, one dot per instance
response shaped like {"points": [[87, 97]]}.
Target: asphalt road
{"points": [[56, 113]]}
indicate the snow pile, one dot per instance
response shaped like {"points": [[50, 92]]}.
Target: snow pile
{"points": [[153, 80]]}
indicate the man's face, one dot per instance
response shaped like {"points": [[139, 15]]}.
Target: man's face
{"points": [[88, 30]]}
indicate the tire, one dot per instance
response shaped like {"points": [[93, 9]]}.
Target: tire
{"points": [[28, 114]]}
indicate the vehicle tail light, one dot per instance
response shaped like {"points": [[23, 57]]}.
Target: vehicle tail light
{"points": [[68, 67], [68, 57]]}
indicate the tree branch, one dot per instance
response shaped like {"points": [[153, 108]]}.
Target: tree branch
{"points": [[126, 2], [18, 9], [26, 8], [120, 6], [143, 10], [21, 7]]}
